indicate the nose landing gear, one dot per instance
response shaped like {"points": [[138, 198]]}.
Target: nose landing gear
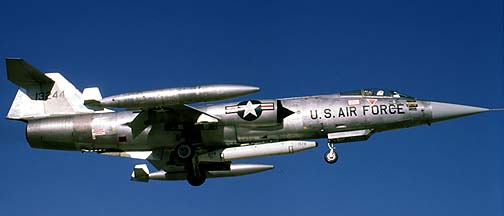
{"points": [[331, 156]]}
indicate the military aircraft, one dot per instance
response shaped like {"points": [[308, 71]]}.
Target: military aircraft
{"points": [[196, 142]]}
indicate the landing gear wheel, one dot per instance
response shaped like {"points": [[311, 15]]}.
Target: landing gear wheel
{"points": [[196, 180], [184, 152], [331, 156]]}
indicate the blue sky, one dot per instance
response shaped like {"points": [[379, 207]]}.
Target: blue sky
{"points": [[441, 50]]}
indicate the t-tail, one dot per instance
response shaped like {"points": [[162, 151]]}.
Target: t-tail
{"points": [[42, 95]]}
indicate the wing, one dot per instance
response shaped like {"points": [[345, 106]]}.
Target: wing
{"points": [[169, 107], [182, 117]]}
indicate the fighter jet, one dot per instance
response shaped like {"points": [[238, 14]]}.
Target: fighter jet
{"points": [[195, 142]]}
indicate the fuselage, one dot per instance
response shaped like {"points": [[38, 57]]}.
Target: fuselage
{"points": [[197, 142], [253, 121]]}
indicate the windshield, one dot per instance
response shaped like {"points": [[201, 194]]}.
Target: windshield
{"points": [[376, 92]]}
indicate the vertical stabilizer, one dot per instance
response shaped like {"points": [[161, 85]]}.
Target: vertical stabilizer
{"points": [[41, 95]]}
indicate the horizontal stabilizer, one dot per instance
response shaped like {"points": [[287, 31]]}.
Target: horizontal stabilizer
{"points": [[24, 75]]}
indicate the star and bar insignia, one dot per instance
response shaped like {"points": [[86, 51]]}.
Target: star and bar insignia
{"points": [[250, 110]]}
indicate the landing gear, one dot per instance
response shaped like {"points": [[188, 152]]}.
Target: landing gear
{"points": [[196, 180], [184, 152], [196, 175], [331, 156]]}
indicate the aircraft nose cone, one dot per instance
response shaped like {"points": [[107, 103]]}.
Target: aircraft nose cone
{"points": [[445, 111]]}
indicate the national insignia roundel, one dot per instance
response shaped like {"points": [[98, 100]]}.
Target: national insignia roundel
{"points": [[249, 110]]}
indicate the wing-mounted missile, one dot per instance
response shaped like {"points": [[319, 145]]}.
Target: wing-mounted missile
{"points": [[176, 96]]}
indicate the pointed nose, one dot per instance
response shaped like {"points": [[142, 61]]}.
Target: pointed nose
{"points": [[445, 111]]}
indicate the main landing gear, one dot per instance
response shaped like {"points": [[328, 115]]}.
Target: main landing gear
{"points": [[185, 153], [196, 176], [331, 156]]}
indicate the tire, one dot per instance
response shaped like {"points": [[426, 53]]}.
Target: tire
{"points": [[184, 152], [196, 181], [330, 160]]}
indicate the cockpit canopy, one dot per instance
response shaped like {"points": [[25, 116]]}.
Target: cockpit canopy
{"points": [[375, 92]]}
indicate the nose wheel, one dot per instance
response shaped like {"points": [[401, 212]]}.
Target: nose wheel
{"points": [[331, 156]]}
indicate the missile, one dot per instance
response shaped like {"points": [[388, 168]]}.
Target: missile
{"points": [[175, 96], [258, 150], [141, 172]]}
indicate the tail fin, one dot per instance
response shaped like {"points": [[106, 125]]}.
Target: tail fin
{"points": [[41, 95]]}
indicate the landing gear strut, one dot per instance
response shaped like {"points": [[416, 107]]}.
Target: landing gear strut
{"points": [[196, 175], [331, 156]]}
